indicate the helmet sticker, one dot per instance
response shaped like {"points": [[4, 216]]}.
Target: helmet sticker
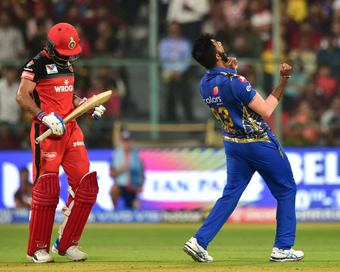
{"points": [[72, 43]]}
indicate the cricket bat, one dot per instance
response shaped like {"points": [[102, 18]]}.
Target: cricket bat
{"points": [[86, 106]]}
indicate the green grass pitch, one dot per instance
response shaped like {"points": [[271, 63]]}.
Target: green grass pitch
{"points": [[159, 245]]}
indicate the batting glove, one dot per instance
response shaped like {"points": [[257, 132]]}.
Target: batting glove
{"points": [[53, 122], [96, 112]]}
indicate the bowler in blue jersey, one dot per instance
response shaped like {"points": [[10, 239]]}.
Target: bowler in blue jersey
{"points": [[249, 145]]}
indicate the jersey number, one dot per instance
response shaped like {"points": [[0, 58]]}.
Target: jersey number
{"points": [[222, 115]]}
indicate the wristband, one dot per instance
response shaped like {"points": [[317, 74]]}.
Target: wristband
{"points": [[40, 114], [285, 76]]}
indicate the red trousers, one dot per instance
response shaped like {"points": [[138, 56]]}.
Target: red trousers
{"points": [[67, 150]]}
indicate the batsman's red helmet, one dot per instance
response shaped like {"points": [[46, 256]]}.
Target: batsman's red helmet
{"points": [[64, 39]]}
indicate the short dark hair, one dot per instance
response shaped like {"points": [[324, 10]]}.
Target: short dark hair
{"points": [[204, 51]]}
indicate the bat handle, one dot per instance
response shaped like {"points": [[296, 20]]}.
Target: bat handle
{"points": [[43, 136]]}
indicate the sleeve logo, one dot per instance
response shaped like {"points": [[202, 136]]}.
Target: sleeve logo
{"points": [[242, 79], [30, 63], [27, 75]]}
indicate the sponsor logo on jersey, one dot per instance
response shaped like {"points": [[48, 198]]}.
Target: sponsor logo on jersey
{"points": [[49, 156], [65, 88], [28, 69], [75, 144], [242, 79], [27, 75], [30, 63], [216, 90], [210, 100], [51, 69], [248, 88]]}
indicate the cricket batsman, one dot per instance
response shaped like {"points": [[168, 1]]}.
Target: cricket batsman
{"points": [[249, 146], [46, 91]]}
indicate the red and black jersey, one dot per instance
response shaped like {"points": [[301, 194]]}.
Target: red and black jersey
{"points": [[54, 89]]}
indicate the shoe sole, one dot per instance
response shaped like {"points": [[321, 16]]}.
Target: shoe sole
{"points": [[51, 260], [193, 254], [56, 251], [285, 259]]}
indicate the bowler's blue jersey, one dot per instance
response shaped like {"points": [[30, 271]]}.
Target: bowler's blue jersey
{"points": [[228, 95]]}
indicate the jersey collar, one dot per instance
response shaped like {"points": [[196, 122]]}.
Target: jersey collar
{"points": [[46, 54], [219, 70]]}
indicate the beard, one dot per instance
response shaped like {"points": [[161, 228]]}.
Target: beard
{"points": [[223, 56]]}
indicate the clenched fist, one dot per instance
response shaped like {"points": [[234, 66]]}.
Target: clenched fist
{"points": [[232, 63], [285, 70]]}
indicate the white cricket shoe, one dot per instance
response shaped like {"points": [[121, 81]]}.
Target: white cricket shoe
{"points": [[283, 255], [73, 252], [198, 253], [41, 256]]}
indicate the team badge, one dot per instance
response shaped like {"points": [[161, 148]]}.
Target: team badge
{"points": [[30, 63], [72, 43], [242, 79], [51, 69]]}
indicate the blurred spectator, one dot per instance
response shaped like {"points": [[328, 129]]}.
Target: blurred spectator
{"points": [[330, 55], [268, 58], [190, 14], [296, 136], [39, 24], [330, 123], [304, 116], [39, 40], [175, 55], [290, 25], [247, 42], [260, 19], [10, 111], [314, 97], [8, 139], [17, 10], [128, 172], [295, 86], [297, 10], [307, 33], [335, 30], [227, 15], [318, 16], [72, 14], [325, 82], [86, 47], [113, 35], [23, 196], [304, 56], [99, 85], [11, 39]]}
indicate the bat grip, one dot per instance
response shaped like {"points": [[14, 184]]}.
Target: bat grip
{"points": [[43, 136]]}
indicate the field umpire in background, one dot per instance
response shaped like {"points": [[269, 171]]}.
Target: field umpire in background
{"points": [[46, 91], [249, 146]]}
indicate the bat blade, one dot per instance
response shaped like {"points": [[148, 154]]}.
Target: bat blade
{"points": [[86, 106]]}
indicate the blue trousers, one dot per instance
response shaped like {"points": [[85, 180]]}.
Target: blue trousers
{"points": [[271, 162]]}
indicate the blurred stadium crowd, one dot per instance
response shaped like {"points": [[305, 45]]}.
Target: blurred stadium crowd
{"points": [[118, 29]]}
